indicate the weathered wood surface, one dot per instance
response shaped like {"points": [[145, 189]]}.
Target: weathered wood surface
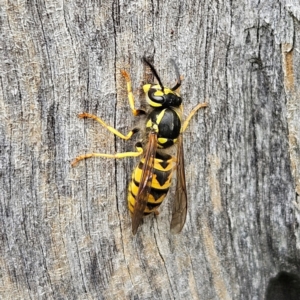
{"points": [[65, 232]]}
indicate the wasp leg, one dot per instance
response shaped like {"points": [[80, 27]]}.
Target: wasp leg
{"points": [[111, 129], [139, 151], [186, 122], [135, 112]]}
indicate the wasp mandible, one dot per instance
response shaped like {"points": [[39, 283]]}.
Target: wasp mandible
{"points": [[151, 179]]}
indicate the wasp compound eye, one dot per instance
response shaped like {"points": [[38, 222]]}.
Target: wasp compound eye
{"points": [[156, 96]]}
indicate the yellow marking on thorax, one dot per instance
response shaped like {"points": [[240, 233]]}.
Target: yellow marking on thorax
{"points": [[160, 116], [162, 140]]}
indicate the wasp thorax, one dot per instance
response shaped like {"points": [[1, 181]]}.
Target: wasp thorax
{"points": [[166, 123]]}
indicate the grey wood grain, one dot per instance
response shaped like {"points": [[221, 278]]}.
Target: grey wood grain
{"points": [[66, 232]]}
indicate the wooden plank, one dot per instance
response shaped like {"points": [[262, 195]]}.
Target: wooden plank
{"points": [[66, 232]]}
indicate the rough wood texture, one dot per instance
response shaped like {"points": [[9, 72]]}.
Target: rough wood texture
{"points": [[66, 232]]}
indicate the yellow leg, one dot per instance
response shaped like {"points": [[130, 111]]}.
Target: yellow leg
{"points": [[186, 122], [111, 129], [139, 151], [135, 112]]}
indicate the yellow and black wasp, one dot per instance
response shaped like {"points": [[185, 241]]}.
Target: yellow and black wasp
{"points": [[151, 178]]}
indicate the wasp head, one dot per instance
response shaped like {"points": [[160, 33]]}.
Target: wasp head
{"points": [[160, 96], [156, 97]]}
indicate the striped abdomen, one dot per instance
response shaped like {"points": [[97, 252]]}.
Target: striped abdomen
{"points": [[161, 181]]}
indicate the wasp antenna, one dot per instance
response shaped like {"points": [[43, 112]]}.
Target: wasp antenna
{"points": [[154, 72], [178, 84]]}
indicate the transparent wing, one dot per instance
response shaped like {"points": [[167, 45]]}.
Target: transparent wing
{"points": [[180, 203], [145, 183]]}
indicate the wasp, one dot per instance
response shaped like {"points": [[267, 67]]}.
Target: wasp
{"points": [[164, 127]]}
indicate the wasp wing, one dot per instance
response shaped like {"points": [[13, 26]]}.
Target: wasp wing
{"points": [[180, 204], [145, 183]]}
